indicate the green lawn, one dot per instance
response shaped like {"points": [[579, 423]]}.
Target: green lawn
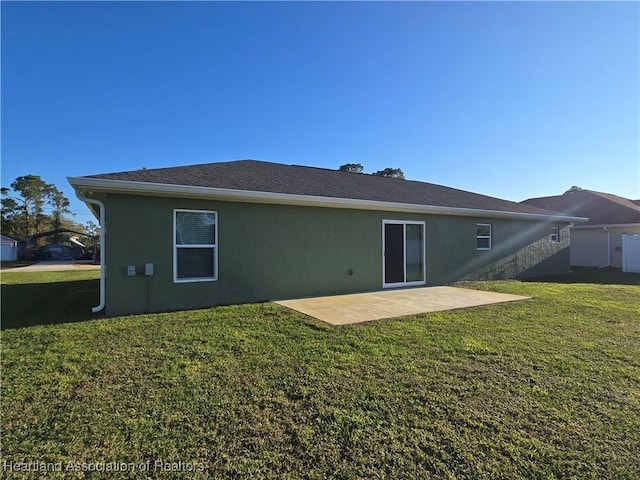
{"points": [[544, 388]]}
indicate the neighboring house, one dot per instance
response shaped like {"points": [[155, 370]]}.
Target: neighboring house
{"points": [[246, 231], [8, 249], [599, 241]]}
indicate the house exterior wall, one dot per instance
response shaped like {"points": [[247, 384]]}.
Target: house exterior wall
{"points": [[589, 247], [597, 247], [269, 252]]}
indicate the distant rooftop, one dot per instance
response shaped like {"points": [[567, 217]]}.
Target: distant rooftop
{"points": [[601, 208], [5, 239]]}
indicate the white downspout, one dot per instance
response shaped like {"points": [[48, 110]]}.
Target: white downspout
{"points": [[103, 267], [608, 248]]}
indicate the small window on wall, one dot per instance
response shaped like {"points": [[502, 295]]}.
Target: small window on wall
{"points": [[555, 234], [483, 236], [195, 242]]}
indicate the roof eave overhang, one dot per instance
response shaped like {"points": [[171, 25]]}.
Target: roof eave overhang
{"points": [[89, 184]]}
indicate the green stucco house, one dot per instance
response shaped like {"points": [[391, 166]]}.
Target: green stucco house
{"points": [[246, 231]]}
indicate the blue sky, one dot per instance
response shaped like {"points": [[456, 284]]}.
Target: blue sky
{"points": [[513, 100]]}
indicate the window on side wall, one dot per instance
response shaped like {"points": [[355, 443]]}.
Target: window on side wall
{"points": [[195, 246], [555, 234], [483, 236]]}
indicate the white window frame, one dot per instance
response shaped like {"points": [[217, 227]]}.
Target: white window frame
{"points": [[555, 235], [478, 237], [213, 246]]}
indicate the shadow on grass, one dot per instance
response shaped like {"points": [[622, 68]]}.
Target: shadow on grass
{"points": [[25, 305], [601, 276], [16, 264]]}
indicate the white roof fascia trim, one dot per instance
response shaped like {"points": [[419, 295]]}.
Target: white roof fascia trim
{"points": [[166, 189], [609, 225]]}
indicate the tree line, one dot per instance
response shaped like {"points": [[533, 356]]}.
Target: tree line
{"points": [[387, 172], [32, 206]]}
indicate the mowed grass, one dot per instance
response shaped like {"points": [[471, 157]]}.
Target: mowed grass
{"points": [[543, 388]]}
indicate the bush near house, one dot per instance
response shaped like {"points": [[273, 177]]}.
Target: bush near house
{"points": [[545, 388]]}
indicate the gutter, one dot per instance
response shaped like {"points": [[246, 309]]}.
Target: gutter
{"points": [[226, 194], [103, 267], [614, 225]]}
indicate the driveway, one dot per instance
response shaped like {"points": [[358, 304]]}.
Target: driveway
{"points": [[55, 266], [365, 307]]}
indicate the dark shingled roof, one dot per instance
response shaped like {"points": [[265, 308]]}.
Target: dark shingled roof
{"points": [[600, 208], [253, 175]]}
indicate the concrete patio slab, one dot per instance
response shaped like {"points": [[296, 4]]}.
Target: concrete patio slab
{"points": [[365, 307]]}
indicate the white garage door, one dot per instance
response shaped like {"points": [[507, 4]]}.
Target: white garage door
{"points": [[8, 252]]}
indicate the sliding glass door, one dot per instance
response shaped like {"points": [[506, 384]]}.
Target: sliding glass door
{"points": [[403, 250]]}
